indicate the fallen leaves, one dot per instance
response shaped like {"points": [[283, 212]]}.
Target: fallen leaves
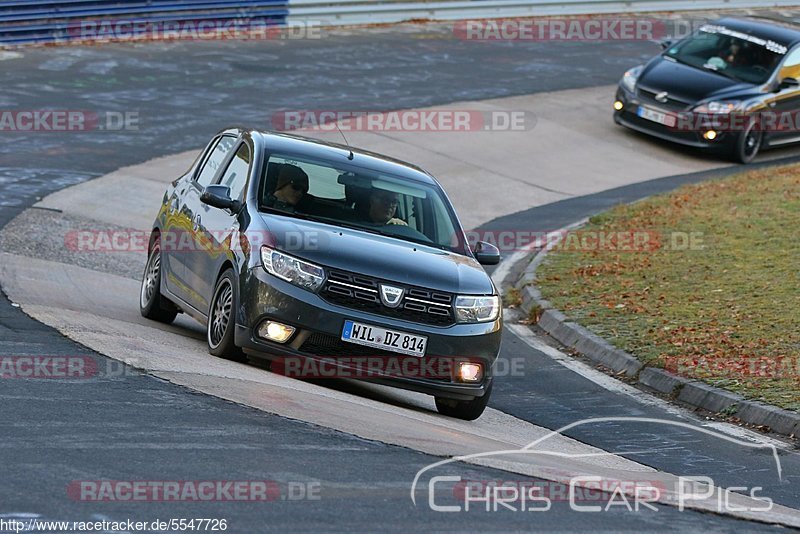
{"points": [[732, 303]]}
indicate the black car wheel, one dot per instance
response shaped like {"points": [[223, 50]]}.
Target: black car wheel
{"points": [[152, 304], [222, 319], [467, 410], [747, 144]]}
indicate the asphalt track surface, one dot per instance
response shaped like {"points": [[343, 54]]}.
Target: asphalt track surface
{"points": [[137, 427]]}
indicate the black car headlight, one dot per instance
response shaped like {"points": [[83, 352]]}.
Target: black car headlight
{"points": [[721, 107], [293, 270], [475, 309], [628, 80]]}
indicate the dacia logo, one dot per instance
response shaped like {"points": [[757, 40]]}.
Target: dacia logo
{"points": [[391, 296]]}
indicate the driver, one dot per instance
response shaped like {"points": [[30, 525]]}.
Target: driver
{"points": [[291, 188], [731, 55], [382, 207], [738, 54]]}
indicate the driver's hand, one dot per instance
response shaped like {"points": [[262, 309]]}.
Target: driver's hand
{"points": [[395, 220]]}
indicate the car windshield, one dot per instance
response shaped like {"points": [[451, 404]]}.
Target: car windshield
{"points": [[736, 55], [360, 198]]}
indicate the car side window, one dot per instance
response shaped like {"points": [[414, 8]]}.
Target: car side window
{"points": [[791, 65], [214, 160], [235, 176]]}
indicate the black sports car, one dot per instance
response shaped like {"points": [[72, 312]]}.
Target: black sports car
{"points": [[732, 87], [300, 251]]}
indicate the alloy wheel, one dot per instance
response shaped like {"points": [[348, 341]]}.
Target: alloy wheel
{"points": [[220, 314]]}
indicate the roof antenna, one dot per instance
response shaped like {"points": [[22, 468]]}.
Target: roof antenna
{"points": [[350, 156]]}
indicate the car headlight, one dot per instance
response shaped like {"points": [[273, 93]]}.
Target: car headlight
{"points": [[629, 78], [472, 309], [293, 270], [719, 108]]}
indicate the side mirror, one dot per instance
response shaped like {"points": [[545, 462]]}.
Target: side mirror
{"points": [[219, 196], [787, 83], [666, 43], [486, 253]]}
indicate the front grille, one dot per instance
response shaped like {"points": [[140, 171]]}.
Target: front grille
{"points": [[333, 347], [362, 293], [648, 96], [327, 346]]}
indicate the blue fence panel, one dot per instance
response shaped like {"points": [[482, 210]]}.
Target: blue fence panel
{"points": [[30, 21]]}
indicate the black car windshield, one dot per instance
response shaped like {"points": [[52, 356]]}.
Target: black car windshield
{"points": [[730, 53], [360, 198]]}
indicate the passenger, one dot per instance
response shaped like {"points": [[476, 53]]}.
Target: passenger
{"points": [[738, 55], [382, 207], [290, 188]]}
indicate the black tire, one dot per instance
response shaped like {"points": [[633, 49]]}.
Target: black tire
{"points": [[747, 144], [466, 410], [221, 319], [152, 303]]}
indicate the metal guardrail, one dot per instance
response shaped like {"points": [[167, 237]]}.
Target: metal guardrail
{"points": [[31, 21], [343, 12]]}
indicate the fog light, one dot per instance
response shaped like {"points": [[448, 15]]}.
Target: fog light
{"points": [[618, 105], [469, 372], [710, 135], [275, 331]]}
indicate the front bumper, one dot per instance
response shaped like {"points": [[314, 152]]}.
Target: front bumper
{"points": [[319, 325], [629, 118]]}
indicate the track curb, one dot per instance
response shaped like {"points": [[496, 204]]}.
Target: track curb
{"points": [[685, 390]]}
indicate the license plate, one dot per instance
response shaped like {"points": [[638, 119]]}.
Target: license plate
{"points": [[656, 116], [382, 338]]}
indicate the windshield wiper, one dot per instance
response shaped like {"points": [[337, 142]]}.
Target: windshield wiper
{"points": [[374, 230], [324, 220], [426, 243], [721, 72], [703, 67], [676, 59], [369, 229]]}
